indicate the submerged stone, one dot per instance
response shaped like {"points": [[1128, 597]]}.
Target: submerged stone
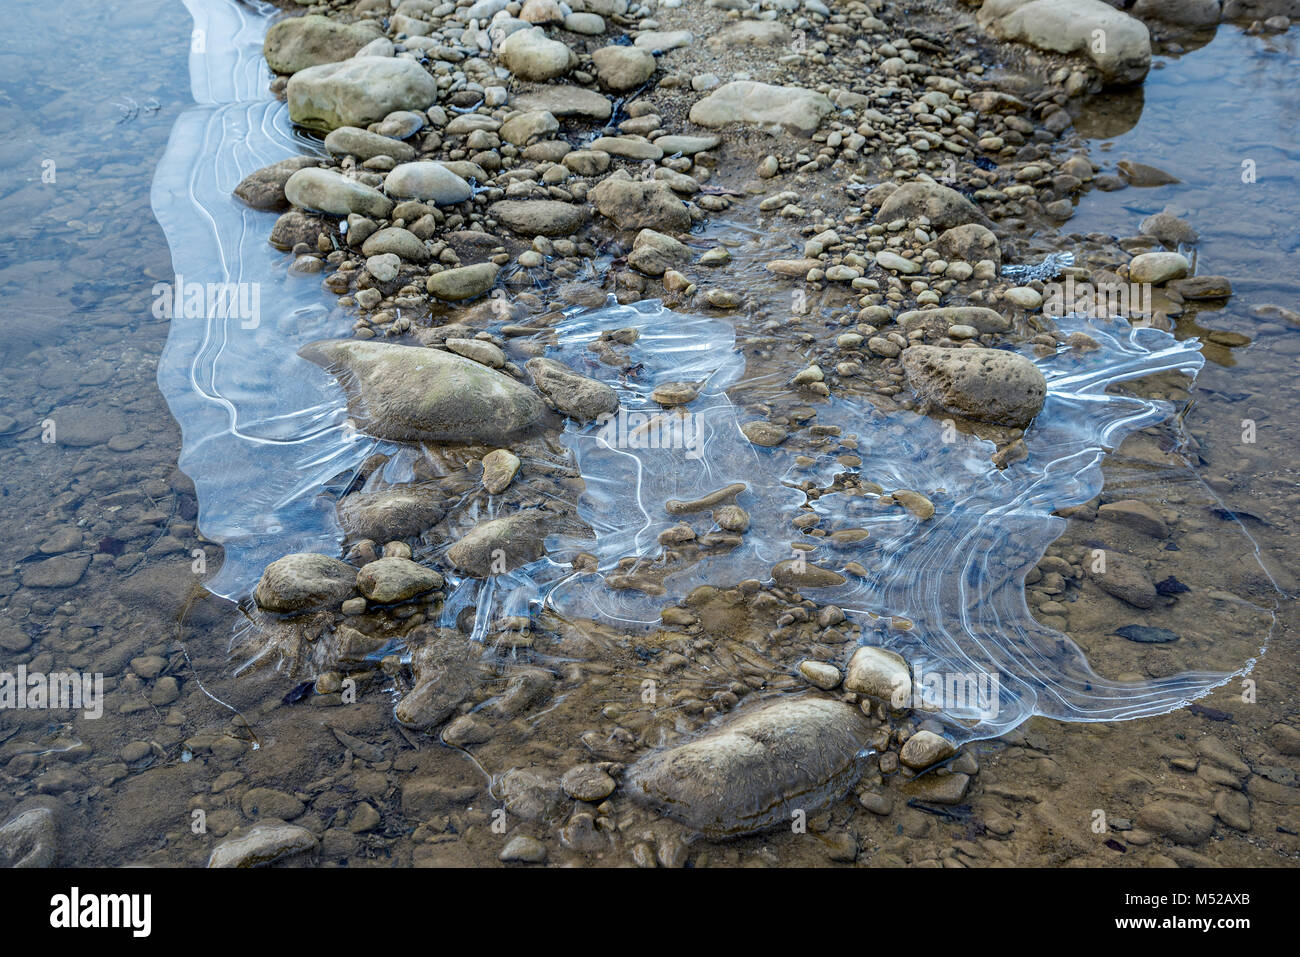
{"points": [[756, 769], [391, 513], [501, 544]]}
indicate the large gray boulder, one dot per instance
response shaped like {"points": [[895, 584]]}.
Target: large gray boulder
{"points": [[299, 42], [358, 92], [1117, 43], [755, 770], [987, 385], [414, 394]]}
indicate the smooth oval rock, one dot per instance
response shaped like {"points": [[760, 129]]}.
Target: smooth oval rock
{"points": [[464, 282], [410, 393], [326, 191], [754, 770], [263, 844], [351, 141], [531, 55], [427, 181], [388, 580]]}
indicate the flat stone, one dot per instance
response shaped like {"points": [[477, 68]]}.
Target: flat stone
{"points": [[539, 217], [564, 101], [1179, 821], [1135, 514], [263, 844], [61, 571], [795, 109], [393, 513]]}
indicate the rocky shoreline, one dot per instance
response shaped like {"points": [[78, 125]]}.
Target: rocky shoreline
{"points": [[490, 165]]}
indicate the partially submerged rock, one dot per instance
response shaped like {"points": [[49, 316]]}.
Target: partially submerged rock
{"points": [[264, 188], [501, 544], [571, 394], [391, 513], [987, 385], [756, 769], [358, 92], [304, 580], [388, 580], [1121, 51], [412, 394], [29, 839], [263, 844], [879, 673]]}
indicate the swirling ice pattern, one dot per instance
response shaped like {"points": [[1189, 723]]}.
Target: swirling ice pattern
{"points": [[956, 577], [267, 443], [263, 431]]}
